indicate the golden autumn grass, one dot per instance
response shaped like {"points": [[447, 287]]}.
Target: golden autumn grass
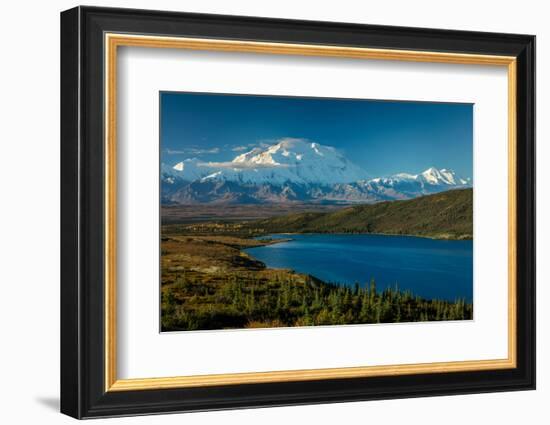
{"points": [[208, 282]]}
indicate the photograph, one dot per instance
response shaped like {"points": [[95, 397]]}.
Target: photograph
{"points": [[281, 211]]}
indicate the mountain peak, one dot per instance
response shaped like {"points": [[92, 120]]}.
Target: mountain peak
{"points": [[442, 176], [295, 169], [298, 161]]}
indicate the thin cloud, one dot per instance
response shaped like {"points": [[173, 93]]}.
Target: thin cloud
{"points": [[192, 151], [264, 143], [239, 148], [240, 165]]}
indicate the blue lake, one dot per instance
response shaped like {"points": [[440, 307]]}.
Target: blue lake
{"points": [[427, 267]]}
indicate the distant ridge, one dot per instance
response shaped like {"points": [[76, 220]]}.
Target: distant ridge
{"points": [[446, 215]]}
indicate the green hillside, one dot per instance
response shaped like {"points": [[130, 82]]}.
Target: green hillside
{"points": [[446, 215]]}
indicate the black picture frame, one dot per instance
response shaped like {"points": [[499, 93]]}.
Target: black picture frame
{"points": [[83, 392]]}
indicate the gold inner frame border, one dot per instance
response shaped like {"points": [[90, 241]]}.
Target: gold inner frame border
{"points": [[111, 43]]}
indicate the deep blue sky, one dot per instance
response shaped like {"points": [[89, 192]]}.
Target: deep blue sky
{"points": [[384, 137]]}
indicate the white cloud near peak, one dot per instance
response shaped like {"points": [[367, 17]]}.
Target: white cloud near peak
{"points": [[192, 151]]}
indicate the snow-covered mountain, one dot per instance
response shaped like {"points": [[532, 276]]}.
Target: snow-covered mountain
{"points": [[406, 186], [294, 170], [291, 160]]}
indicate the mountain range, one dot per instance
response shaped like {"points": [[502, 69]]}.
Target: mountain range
{"points": [[294, 170]]}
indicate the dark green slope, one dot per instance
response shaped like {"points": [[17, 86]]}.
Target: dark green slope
{"points": [[446, 215]]}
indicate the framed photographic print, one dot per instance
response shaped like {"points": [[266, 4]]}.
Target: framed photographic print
{"points": [[261, 212]]}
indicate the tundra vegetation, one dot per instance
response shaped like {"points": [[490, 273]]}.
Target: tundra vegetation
{"points": [[208, 282]]}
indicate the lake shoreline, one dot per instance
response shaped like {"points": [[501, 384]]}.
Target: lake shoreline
{"points": [[212, 282], [432, 268], [433, 237]]}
